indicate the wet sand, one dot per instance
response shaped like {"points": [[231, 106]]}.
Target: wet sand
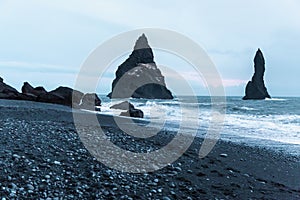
{"points": [[42, 156]]}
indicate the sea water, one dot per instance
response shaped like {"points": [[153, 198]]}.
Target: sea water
{"points": [[272, 123]]}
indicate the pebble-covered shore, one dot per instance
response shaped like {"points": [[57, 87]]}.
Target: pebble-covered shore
{"points": [[42, 157]]}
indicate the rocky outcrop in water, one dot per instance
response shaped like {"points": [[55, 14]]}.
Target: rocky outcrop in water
{"points": [[61, 95], [256, 88], [89, 101], [125, 105], [131, 111], [140, 76]]}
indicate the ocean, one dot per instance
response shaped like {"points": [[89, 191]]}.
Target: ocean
{"points": [[271, 123]]}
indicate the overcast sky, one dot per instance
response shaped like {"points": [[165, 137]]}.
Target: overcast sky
{"points": [[46, 41]]}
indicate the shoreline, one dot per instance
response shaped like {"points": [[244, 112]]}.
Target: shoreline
{"points": [[42, 156]]}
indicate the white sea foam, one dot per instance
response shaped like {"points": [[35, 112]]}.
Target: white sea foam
{"points": [[272, 120], [275, 99]]}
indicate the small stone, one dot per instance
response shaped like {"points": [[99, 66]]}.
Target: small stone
{"points": [[166, 198], [30, 187], [57, 163], [13, 185], [13, 193], [224, 155], [172, 185], [16, 156], [127, 187], [156, 180], [47, 177], [178, 169]]}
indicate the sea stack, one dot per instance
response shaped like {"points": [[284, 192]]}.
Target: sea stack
{"points": [[140, 76], [256, 88]]}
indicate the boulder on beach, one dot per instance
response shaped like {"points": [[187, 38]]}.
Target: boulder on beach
{"points": [[90, 101], [131, 111], [256, 88], [8, 92], [61, 95], [70, 95], [27, 89], [125, 105], [139, 75]]}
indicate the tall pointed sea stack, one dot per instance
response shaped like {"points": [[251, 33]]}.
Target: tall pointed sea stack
{"points": [[139, 77], [256, 88]]}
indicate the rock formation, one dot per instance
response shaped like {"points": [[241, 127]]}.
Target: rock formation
{"points": [[137, 70], [89, 101], [29, 90], [131, 111], [61, 95], [125, 105], [255, 88], [8, 92]]}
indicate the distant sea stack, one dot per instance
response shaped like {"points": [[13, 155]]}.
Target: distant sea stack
{"points": [[256, 88], [140, 68]]}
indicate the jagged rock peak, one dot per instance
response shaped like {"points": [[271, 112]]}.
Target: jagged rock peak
{"points": [[259, 57], [142, 43], [138, 69], [256, 88], [142, 52]]}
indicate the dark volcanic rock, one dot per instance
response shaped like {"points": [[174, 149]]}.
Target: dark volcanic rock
{"points": [[255, 88], [29, 90], [61, 95], [140, 76], [51, 98], [89, 101], [122, 106], [70, 95], [133, 112], [8, 92]]}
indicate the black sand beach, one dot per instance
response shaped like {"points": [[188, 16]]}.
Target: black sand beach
{"points": [[42, 157]]}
